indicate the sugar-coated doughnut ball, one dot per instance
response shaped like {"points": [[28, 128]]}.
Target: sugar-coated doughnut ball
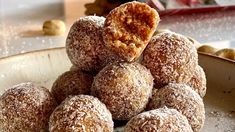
{"points": [[128, 29], [81, 113], [182, 98], [159, 120], [71, 83], [84, 44], [26, 107], [198, 81], [170, 57], [124, 88]]}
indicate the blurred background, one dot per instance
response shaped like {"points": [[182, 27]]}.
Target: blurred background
{"points": [[21, 22]]}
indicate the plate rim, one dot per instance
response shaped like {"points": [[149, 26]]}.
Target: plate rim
{"points": [[63, 48], [30, 52]]}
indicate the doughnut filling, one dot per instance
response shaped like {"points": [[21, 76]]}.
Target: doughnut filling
{"points": [[128, 29]]}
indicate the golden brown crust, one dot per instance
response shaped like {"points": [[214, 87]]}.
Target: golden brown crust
{"points": [[170, 57], [71, 83], [26, 107], [128, 29], [198, 81], [81, 113], [160, 120], [182, 98], [85, 46], [124, 87]]}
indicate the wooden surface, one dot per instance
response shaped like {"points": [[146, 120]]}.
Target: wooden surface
{"points": [[74, 9]]}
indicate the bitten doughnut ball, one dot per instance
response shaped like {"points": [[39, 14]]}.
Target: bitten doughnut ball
{"points": [[79, 114], [124, 88], [198, 81], [182, 98], [170, 57], [71, 83], [128, 29], [159, 120], [84, 44], [26, 107]]}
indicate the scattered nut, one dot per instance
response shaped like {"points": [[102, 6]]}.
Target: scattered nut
{"points": [[54, 27], [207, 49], [226, 53]]}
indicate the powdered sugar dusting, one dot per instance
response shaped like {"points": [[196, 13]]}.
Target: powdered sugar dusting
{"points": [[124, 87], [84, 44], [198, 81], [81, 113], [26, 107], [162, 120], [171, 58], [182, 98], [71, 83]]}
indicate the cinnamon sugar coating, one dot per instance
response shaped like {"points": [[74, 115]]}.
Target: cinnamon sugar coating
{"points": [[182, 98], [160, 120], [84, 44], [128, 29], [124, 88], [198, 81], [71, 83], [170, 57], [26, 107], [81, 113]]}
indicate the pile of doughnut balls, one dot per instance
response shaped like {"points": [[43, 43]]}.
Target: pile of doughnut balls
{"points": [[121, 72]]}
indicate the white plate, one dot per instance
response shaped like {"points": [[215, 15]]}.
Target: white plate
{"points": [[44, 66]]}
